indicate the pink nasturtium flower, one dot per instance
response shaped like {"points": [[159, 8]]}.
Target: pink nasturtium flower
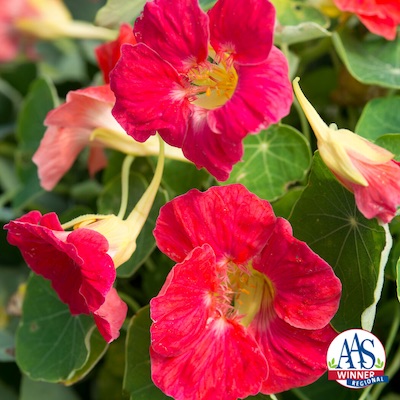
{"points": [[248, 306], [81, 263], [85, 119], [202, 80], [367, 170], [23, 21], [381, 17], [12, 42]]}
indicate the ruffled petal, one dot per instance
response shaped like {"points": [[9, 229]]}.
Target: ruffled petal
{"points": [[310, 298], [263, 96], [225, 363], [149, 95], [85, 108], [232, 220], [97, 270], [242, 28], [296, 357], [177, 30], [110, 316], [181, 310], [206, 148], [381, 197]]}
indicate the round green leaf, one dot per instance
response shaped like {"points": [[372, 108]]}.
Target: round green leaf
{"points": [[379, 117], [373, 61], [327, 219], [51, 344], [137, 379], [34, 390], [97, 347], [273, 160]]}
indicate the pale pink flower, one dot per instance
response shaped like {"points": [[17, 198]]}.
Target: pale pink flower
{"points": [[85, 119]]}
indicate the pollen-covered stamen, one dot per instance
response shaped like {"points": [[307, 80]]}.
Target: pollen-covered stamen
{"points": [[252, 290], [212, 83]]}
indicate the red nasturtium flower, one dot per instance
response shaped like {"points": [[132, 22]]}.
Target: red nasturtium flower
{"points": [[202, 80], [78, 264], [248, 306], [108, 54], [367, 170], [381, 17], [81, 263]]}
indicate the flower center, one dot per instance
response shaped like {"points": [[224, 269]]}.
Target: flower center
{"points": [[251, 291], [212, 83]]}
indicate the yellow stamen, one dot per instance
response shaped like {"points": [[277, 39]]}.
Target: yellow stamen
{"points": [[213, 83]]}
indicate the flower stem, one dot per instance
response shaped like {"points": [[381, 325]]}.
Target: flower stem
{"points": [[86, 219], [394, 366], [125, 185], [141, 211]]}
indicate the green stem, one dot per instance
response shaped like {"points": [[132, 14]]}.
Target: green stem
{"points": [[125, 185], [305, 127], [394, 366], [141, 211]]}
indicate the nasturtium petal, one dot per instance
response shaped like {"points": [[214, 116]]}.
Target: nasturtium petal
{"points": [[177, 31], [251, 39], [209, 149], [224, 364], [190, 221], [181, 310], [250, 109], [144, 85], [296, 301], [110, 316], [287, 366]]}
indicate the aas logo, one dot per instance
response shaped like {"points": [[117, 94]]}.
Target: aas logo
{"points": [[356, 359]]}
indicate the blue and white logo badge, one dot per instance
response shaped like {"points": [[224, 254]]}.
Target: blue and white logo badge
{"points": [[356, 359]]}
